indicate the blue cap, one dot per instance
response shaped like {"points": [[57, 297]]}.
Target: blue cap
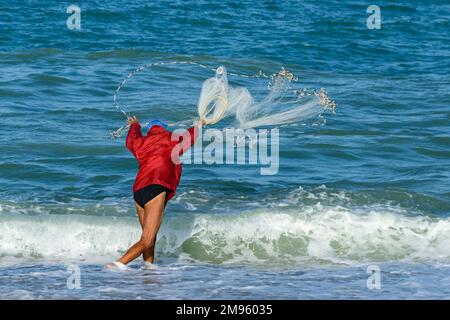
{"points": [[155, 122]]}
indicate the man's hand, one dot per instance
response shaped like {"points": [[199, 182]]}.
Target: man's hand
{"points": [[200, 122], [131, 120]]}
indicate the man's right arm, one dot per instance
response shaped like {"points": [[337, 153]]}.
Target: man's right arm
{"points": [[134, 136]]}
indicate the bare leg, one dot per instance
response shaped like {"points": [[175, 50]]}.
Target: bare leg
{"points": [[153, 214], [148, 253]]}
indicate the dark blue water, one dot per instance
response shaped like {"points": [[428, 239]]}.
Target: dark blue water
{"points": [[368, 187]]}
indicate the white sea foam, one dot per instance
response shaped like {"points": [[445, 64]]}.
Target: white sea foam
{"points": [[312, 235]]}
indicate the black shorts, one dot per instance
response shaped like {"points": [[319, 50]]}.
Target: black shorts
{"points": [[144, 195]]}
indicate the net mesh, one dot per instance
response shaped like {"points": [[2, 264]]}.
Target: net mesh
{"points": [[282, 104]]}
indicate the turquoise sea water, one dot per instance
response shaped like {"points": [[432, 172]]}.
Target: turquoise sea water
{"points": [[370, 186]]}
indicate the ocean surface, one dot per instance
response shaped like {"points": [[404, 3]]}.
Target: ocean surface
{"points": [[367, 189]]}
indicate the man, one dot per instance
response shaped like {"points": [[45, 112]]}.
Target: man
{"points": [[156, 182]]}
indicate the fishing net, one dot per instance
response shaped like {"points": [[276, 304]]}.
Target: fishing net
{"points": [[281, 103], [213, 102]]}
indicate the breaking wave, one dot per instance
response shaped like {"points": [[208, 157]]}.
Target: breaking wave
{"points": [[310, 236]]}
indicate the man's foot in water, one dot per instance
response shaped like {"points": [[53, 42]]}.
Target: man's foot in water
{"points": [[116, 265]]}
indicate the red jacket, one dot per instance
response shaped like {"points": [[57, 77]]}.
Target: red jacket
{"points": [[154, 153]]}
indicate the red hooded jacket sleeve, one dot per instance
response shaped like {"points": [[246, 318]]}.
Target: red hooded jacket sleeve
{"points": [[157, 154], [134, 138]]}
